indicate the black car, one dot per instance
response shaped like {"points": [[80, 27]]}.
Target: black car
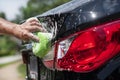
{"points": [[85, 43]]}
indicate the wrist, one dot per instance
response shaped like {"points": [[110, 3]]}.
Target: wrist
{"points": [[16, 31]]}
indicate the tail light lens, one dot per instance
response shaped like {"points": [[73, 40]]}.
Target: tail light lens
{"points": [[86, 50]]}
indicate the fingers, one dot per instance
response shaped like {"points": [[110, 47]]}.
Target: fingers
{"points": [[33, 19], [33, 37], [36, 28], [34, 25], [29, 36], [31, 25]]}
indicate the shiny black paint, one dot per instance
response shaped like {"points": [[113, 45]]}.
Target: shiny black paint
{"points": [[78, 15]]}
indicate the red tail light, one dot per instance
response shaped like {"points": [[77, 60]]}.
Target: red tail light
{"points": [[87, 50]]}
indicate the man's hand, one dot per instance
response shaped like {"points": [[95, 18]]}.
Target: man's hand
{"points": [[23, 31], [26, 29]]}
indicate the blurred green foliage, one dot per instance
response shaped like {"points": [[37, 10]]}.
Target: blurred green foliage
{"points": [[36, 7], [33, 8], [2, 15], [7, 46]]}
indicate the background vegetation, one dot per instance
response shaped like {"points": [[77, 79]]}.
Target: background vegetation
{"points": [[8, 45]]}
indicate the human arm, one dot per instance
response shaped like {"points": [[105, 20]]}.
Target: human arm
{"points": [[23, 31]]}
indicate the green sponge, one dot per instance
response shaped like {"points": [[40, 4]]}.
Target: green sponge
{"points": [[41, 49]]}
